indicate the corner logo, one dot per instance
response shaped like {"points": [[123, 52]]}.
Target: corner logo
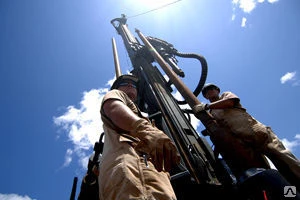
{"points": [[289, 191]]}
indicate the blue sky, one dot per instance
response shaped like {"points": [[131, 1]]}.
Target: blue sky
{"points": [[56, 63]]}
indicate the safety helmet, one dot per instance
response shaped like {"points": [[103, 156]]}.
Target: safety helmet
{"points": [[122, 78], [208, 86]]}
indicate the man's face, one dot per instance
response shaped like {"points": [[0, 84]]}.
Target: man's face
{"points": [[130, 88], [212, 94]]}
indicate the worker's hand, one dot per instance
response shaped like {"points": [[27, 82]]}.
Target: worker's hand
{"points": [[156, 144], [200, 107]]}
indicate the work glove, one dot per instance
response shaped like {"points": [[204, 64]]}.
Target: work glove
{"points": [[200, 107], [155, 144]]}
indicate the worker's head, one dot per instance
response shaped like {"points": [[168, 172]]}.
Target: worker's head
{"points": [[128, 84], [210, 91]]}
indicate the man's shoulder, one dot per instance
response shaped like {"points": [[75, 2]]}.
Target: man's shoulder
{"points": [[229, 95], [114, 94], [114, 91]]}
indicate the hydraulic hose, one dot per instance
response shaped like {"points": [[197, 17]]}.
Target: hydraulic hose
{"points": [[203, 72], [168, 51]]}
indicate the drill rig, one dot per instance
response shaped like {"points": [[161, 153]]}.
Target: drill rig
{"points": [[203, 172]]}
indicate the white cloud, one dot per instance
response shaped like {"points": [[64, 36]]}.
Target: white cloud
{"points": [[83, 125], [243, 22], [287, 77], [110, 82], [68, 157], [246, 6], [292, 145], [290, 77], [14, 197], [233, 17]]}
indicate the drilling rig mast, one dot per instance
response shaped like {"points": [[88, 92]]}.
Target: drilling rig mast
{"points": [[203, 172]]}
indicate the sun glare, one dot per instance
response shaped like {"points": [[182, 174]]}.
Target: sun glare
{"points": [[152, 4], [141, 7]]}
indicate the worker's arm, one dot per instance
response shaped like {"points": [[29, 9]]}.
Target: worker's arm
{"points": [[120, 114], [227, 100], [153, 142], [223, 103]]}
